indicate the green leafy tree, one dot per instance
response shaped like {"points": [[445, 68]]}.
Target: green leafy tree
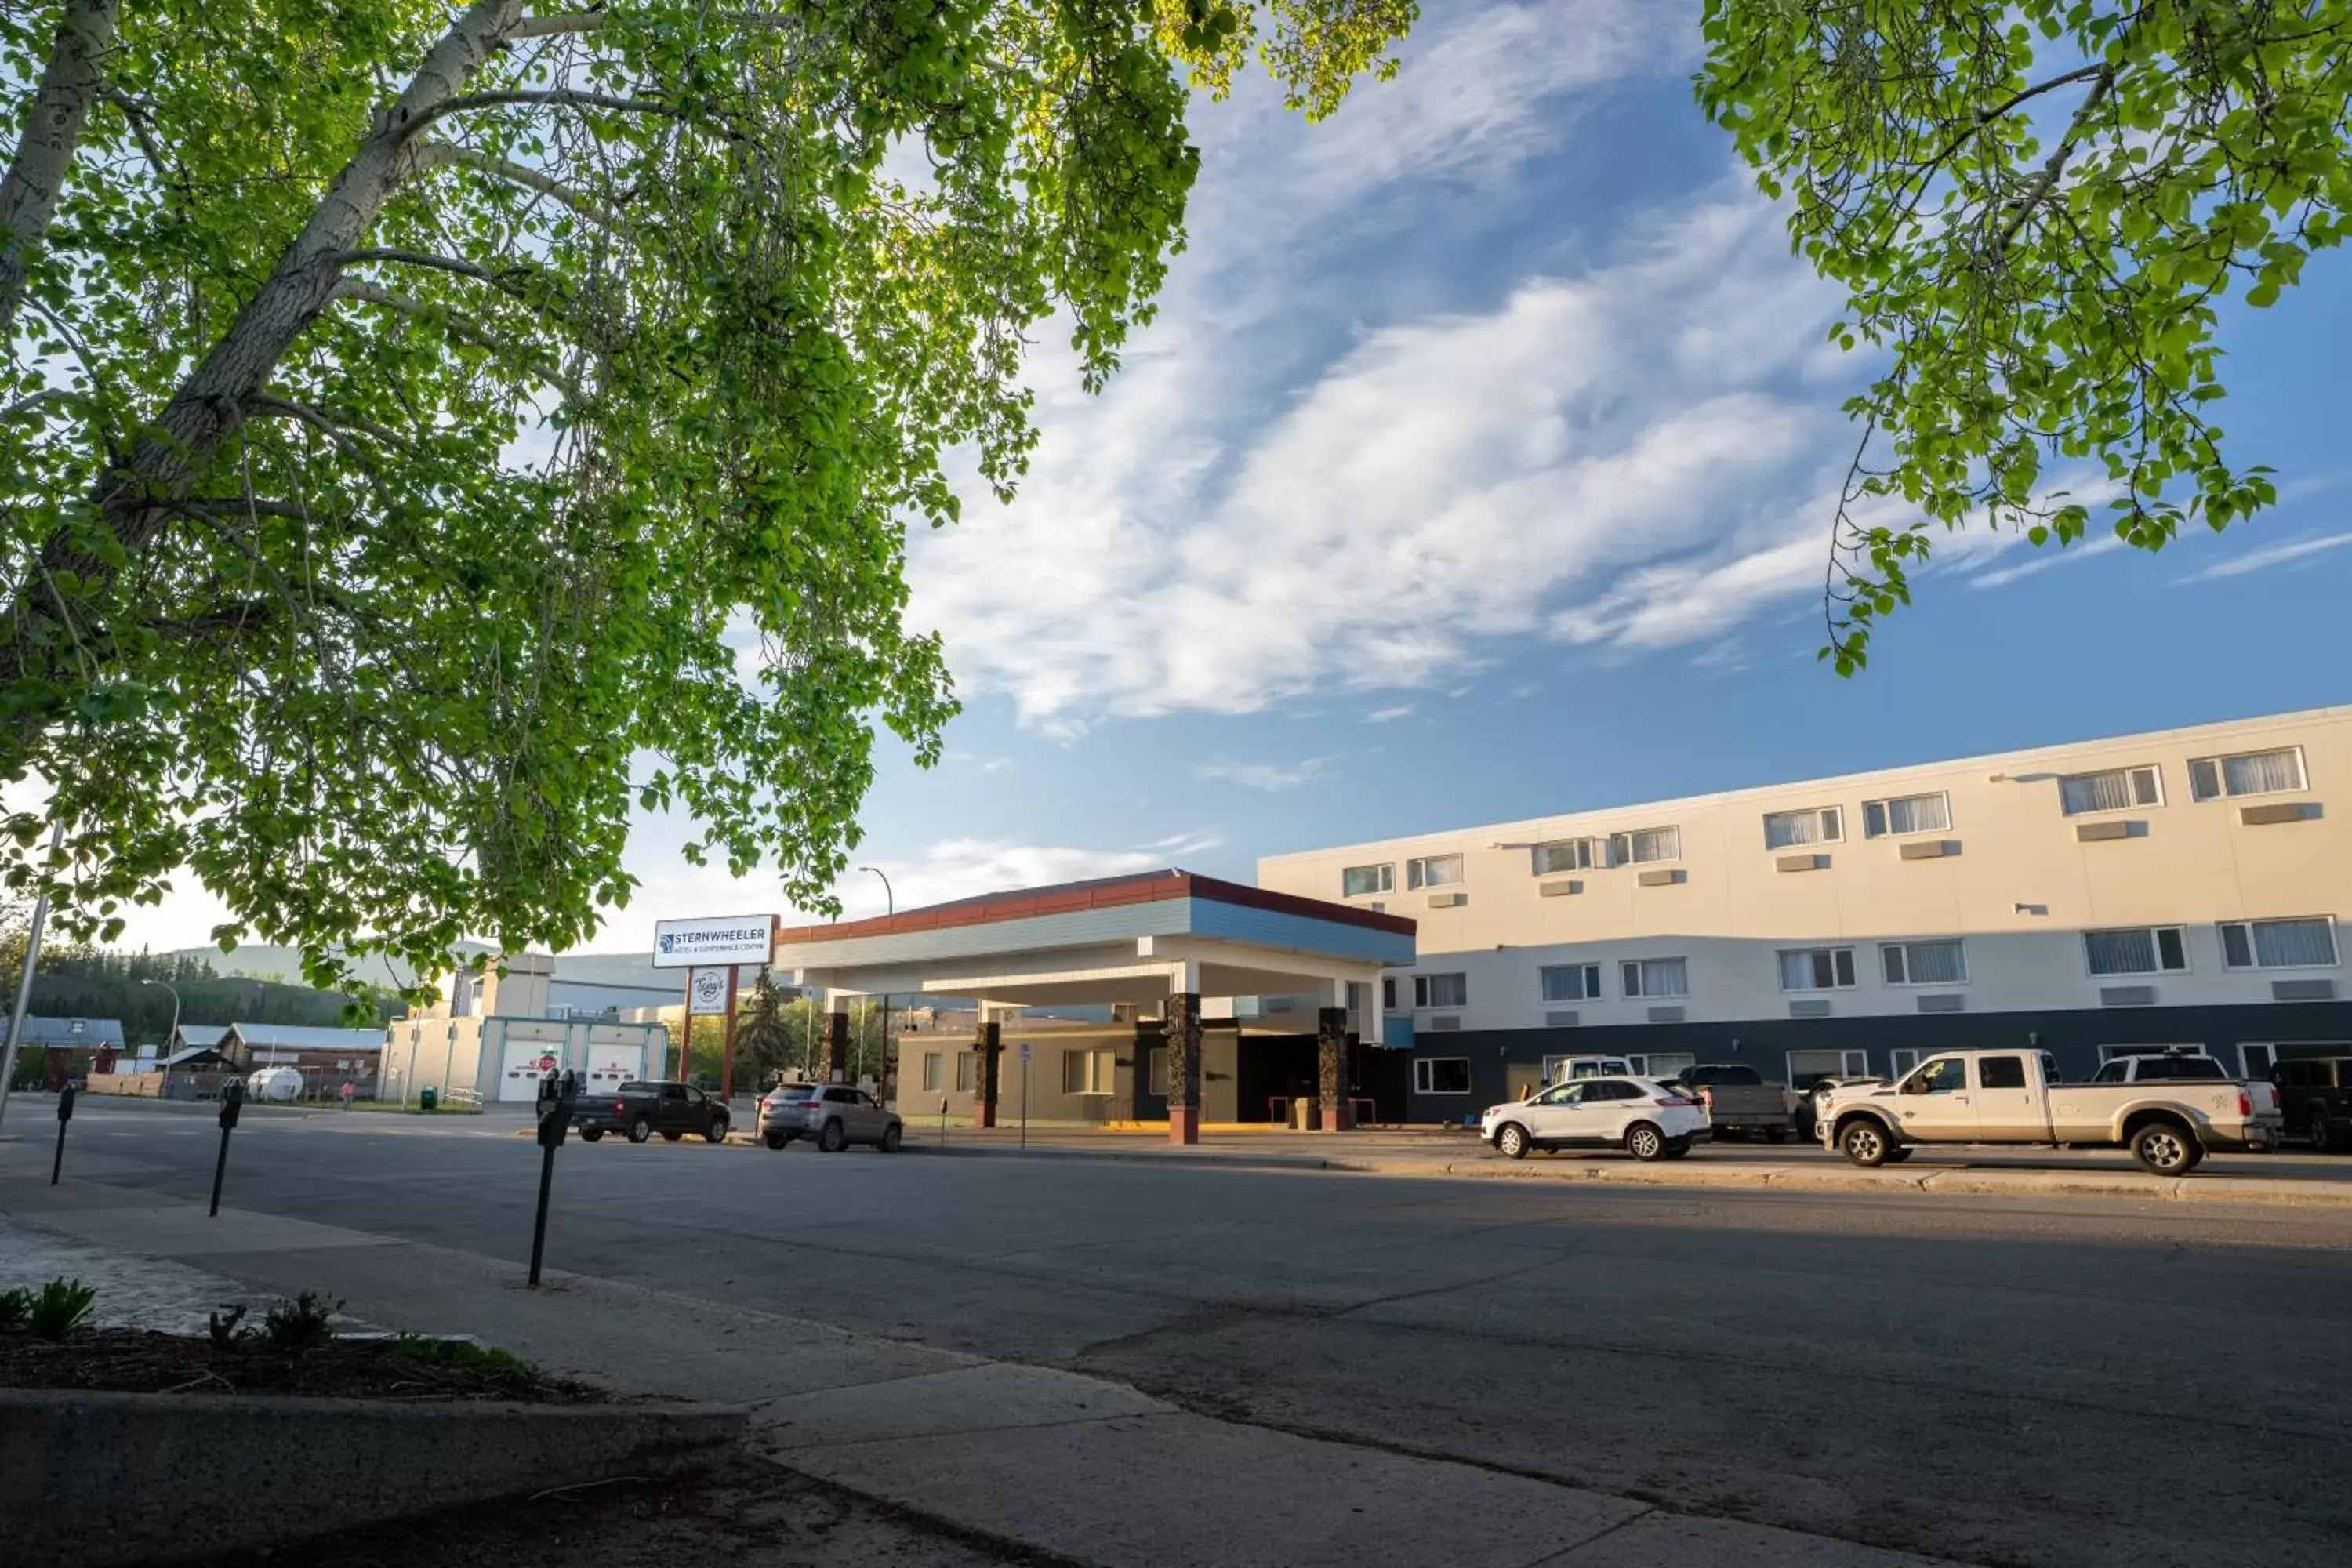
{"points": [[428, 430], [766, 1043], [2035, 208]]}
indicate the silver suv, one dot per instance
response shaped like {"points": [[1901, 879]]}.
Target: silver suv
{"points": [[833, 1115]]}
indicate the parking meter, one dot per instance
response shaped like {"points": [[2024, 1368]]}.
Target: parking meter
{"points": [[554, 1122], [231, 1102], [65, 1115]]}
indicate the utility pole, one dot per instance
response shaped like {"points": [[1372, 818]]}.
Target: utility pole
{"points": [[882, 1073], [25, 986]]}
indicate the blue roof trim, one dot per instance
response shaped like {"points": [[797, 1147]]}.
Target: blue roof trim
{"points": [[1299, 933]]}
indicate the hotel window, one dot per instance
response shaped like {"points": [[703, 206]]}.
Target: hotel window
{"points": [[2141, 950], [1086, 1072], [2279, 945], [1939, 962], [1817, 969], [930, 1072], [1645, 844], [1358, 880], [1158, 1070], [967, 1068], [1571, 981], [1440, 990], [1388, 993], [1433, 871], [2118, 789], [1563, 855], [2247, 772], [1817, 825], [1907, 814], [1442, 1075], [1655, 976]]}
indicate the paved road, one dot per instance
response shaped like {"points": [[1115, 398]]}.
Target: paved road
{"points": [[2001, 1381]]}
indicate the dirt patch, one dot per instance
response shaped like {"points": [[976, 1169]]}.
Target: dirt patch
{"points": [[747, 1514], [136, 1360]]}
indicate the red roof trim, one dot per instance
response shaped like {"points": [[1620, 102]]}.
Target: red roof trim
{"points": [[1112, 892]]}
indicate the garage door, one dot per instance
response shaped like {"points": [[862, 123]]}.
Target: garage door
{"points": [[609, 1066], [523, 1063]]}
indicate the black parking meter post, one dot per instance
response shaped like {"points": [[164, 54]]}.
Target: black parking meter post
{"points": [[65, 1115], [231, 1102], [554, 1121]]}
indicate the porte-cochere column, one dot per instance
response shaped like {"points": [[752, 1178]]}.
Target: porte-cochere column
{"points": [[1331, 1067], [1183, 1044]]}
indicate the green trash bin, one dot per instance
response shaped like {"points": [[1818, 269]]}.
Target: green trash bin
{"points": [[427, 1098]]}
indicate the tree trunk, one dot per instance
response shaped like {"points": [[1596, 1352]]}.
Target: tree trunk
{"points": [[133, 501], [28, 195]]}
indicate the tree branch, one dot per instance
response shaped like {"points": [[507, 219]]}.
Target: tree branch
{"points": [[438, 154], [70, 83], [425, 258], [332, 423], [557, 98], [459, 325], [2043, 182], [562, 22]]}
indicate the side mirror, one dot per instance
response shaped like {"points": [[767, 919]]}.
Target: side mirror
{"points": [[1914, 1086]]}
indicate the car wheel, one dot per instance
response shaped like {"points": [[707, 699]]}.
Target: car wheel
{"points": [[2323, 1135], [716, 1132], [891, 1135], [589, 1134], [778, 1139], [831, 1139], [1865, 1143], [1776, 1136], [1511, 1139], [2165, 1148], [1644, 1142], [640, 1129]]}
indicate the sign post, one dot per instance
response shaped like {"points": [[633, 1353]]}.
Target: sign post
{"points": [[1025, 1094], [686, 1031]]}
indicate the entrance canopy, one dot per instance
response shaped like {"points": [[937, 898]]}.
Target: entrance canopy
{"points": [[1140, 939]]}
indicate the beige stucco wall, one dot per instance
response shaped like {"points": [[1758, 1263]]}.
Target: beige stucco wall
{"points": [[2020, 889]]}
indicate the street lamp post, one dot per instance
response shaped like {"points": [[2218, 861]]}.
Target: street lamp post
{"points": [[25, 987], [175, 1012], [891, 906]]}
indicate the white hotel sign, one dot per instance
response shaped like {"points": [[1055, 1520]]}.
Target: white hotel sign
{"points": [[715, 941]]}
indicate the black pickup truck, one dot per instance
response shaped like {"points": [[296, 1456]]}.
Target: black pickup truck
{"points": [[638, 1110], [2316, 1099]]}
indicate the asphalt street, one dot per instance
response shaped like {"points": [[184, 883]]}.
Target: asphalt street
{"points": [[1998, 1380]]}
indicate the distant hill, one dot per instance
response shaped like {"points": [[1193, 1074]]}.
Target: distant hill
{"points": [[261, 961]]}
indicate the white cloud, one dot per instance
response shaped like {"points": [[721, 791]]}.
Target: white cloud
{"points": [[2051, 556], [1616, 455], [955, 868], [2270, 555], [1389, 715], [1271, 777]]}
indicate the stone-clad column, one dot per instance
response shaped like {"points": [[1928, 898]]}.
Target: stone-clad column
{"points": [[836, 1048], [1182, 1038], [1331, 1067], [987, 1042]]}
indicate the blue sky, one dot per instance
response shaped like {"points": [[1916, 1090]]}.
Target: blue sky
{"points": [[1477, 467]]}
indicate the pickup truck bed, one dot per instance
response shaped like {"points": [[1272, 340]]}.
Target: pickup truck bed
{"points": [[1740, 1103]]}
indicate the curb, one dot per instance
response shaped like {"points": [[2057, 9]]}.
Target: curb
{"points": [[2285, 1192], [1133, 1156], [246, 1472]]}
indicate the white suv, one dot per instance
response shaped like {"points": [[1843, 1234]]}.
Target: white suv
{"points": [[1639, 1115]]}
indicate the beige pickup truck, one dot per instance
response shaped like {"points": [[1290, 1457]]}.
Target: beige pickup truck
{"points": [[2016, 1096]]}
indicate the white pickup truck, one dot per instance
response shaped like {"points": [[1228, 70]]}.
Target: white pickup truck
{"points": [[2169, 1124]]}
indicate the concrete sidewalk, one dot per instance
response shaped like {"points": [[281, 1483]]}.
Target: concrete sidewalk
{"points": [[1076, 1469]]}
